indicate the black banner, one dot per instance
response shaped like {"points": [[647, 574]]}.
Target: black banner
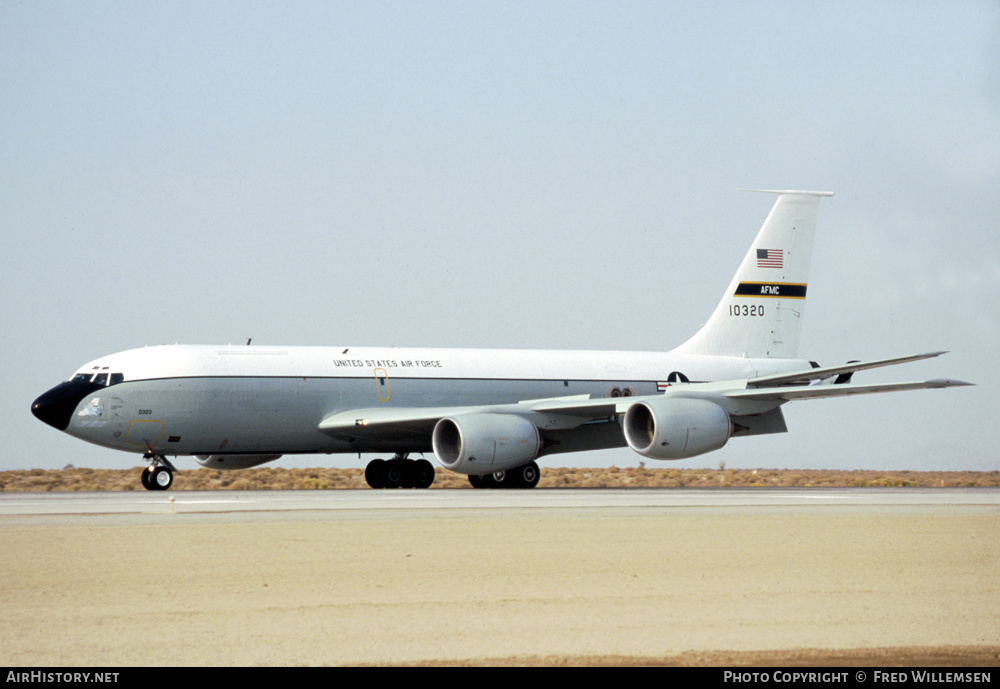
{"points": [[773, 290]]}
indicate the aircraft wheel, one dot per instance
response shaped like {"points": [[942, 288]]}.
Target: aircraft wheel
{"points": [[408, 473], [477, 481], [526, 476], [423, 473], [375, 473], [144, 479], [393, 474], [161, 478]]}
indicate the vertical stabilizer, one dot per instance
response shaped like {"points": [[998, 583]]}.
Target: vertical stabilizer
{"points": [[760, 314]]}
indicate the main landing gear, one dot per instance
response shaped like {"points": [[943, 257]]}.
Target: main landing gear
{"points": [[399, 472], [159, 475], [525, 476]]}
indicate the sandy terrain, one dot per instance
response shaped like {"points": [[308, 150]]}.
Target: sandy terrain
{"points": [[512, 586], [322, 478]]}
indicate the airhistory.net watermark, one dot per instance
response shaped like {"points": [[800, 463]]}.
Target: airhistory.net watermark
{"points": [[40, 676]]}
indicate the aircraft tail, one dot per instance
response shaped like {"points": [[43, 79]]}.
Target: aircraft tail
{"points": [[760, 314]]}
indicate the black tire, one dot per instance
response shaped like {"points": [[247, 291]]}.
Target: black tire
{"points": [[394, 472], [477, 481], [423, 473], [161, 478], [375, 473], [408, 473], [527, 475], [144, 479]]}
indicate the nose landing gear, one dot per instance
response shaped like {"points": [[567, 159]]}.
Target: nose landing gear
{"points": [[159, 475]]}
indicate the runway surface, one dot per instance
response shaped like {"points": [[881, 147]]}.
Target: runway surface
{"points": [[552, 576], [191, 502]]}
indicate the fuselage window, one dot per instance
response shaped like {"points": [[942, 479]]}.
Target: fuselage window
{"points": [[101, 379], [116, 378], [82, 378]]}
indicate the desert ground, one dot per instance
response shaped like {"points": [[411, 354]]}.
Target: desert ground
{"points": [[279, 478], [901, 585]]}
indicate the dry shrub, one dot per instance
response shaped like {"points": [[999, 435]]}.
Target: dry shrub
{"points": [[317, 478]]}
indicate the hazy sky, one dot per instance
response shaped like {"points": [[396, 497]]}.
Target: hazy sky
{"points": [[504, 174]]}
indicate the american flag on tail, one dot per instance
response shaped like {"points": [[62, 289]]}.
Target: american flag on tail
{"points": [[770, 258]]}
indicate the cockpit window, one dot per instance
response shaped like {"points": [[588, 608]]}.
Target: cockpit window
{"points": [[104, 378]]}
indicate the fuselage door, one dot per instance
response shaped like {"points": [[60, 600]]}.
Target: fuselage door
{"points": [[143, 431], [381, 384]]}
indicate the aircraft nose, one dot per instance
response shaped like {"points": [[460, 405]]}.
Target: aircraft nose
{"points": [[56, 406]]}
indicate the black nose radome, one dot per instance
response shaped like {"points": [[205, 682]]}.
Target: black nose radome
{"points": [[56, 406]]}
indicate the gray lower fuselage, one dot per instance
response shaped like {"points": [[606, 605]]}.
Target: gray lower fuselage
{"points": [[248, 415]]}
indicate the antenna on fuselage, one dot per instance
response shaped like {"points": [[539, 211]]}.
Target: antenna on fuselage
{"points": [[248, 341]]}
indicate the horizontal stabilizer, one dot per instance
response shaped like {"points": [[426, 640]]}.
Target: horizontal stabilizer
{"points": [[789, 191]]}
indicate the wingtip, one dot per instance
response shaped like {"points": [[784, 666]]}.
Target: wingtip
{"points": [[947, 383]]}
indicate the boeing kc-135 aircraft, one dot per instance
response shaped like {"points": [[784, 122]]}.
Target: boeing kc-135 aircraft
{"points": [[485, 413]]}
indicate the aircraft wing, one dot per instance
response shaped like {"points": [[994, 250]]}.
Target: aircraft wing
{"points": [[747, 397], [560, 413], [785, 387], [802, 377], [808, 392], [386, 424]]}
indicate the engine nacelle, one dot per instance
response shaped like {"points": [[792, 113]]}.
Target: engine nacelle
{"points": [[484, 443], [670, 428], [225, 462]]}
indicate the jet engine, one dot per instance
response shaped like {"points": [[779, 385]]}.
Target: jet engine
{"points": [[485, 443], [671, 428], [233, 461]]}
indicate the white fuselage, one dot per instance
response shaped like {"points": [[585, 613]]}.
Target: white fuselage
{"points": [[202, 400]]}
